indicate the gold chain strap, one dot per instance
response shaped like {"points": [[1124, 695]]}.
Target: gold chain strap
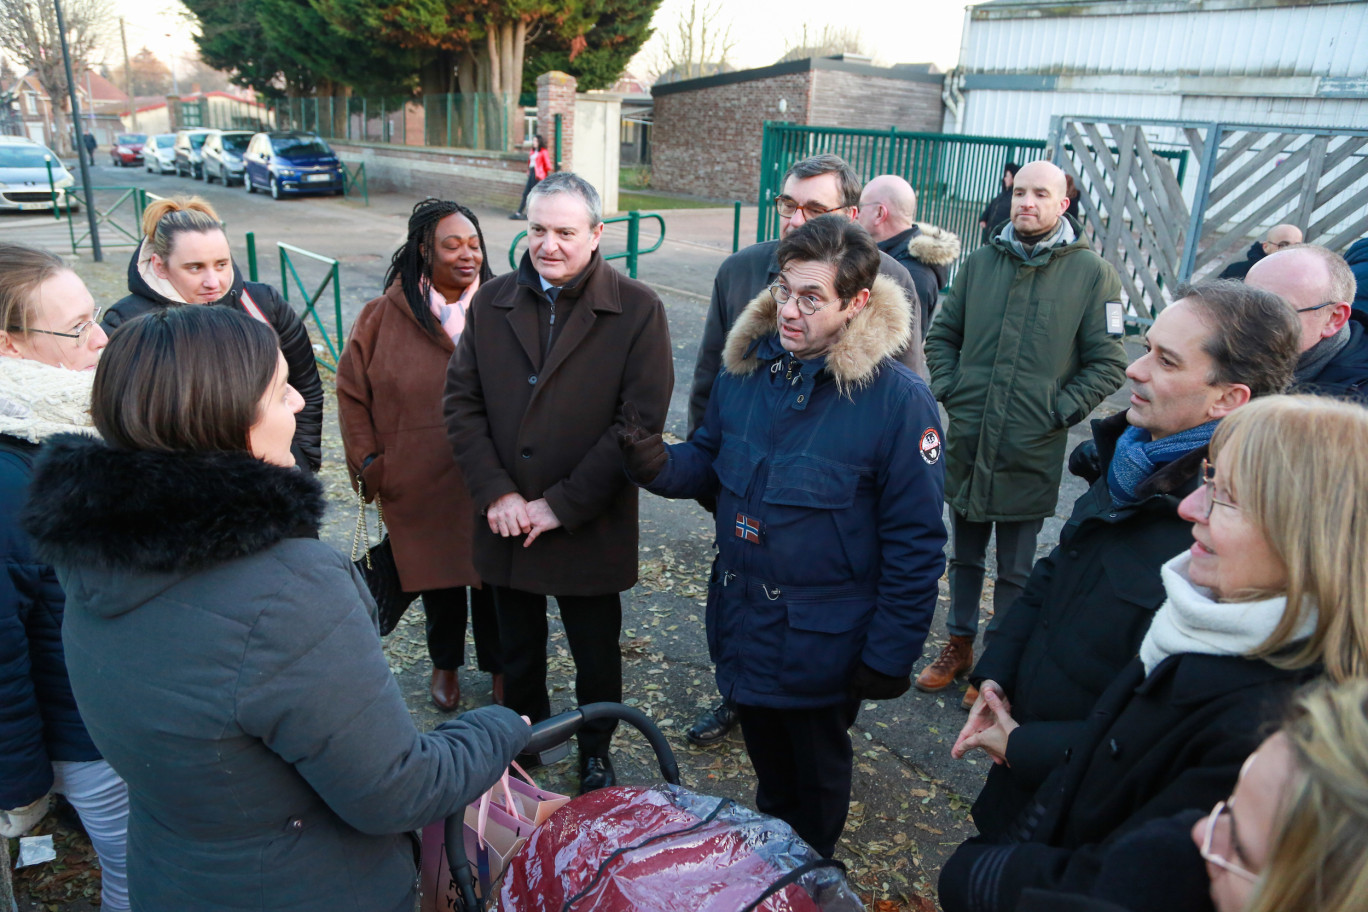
{"points": [[361, 536]]}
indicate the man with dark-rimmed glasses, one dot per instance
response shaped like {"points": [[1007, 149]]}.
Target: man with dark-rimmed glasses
{"points": [[820, 185]]}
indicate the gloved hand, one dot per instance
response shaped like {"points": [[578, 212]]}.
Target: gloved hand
{"points": [[1085, 462], [19, 821], [868, 684], [643, 452]]}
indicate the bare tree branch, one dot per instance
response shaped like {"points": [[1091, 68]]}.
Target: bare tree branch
{"points": [[699, 44], [28, 30]]}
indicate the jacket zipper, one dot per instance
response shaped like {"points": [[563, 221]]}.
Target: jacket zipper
{"points": [[551, 331]]}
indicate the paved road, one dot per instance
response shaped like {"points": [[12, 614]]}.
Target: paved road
{"points": [[910, 799]]}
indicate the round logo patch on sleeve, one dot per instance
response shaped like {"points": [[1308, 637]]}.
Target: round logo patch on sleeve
{"points": [[930, 446]]}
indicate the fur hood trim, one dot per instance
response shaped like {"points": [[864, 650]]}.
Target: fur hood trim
{"points": [[934, 246], [38, 400], [150, 511], [881, 330]]}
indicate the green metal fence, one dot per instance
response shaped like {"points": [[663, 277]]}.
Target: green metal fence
{"points": [[467, 121], [634, 250], [118, 215], [955, 176], [331, 278]]}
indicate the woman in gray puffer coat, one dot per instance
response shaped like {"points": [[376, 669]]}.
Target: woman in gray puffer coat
{"points": [[227, 664]]}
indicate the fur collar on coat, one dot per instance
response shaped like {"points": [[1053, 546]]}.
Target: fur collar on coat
{"points": [[934, 246], [38, 400], [149, 511], [881, 330]]}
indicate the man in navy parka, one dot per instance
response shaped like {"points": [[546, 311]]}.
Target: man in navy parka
{"points": [[825, 455]]}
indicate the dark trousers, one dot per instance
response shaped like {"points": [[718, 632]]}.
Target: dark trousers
{"points": [[802, 760], [593, 625], [446, 628], [1016, 545], [531, 182]]}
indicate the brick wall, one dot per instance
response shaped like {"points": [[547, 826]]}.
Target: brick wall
{"points": [[857, 101], [556, 95], [707, 142]]}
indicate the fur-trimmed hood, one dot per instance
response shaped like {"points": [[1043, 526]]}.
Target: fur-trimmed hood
{"points": [[149, 512], [882, 329], [38, 400], [934, 246]]}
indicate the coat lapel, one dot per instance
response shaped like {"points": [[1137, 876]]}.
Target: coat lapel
{"points": [[522, 319], [576, 328]]}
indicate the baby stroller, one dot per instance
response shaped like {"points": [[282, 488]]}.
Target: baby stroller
{"points": [[630, 848]]}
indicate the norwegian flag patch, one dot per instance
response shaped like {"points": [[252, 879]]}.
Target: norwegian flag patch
{"points": [[748, 528]]}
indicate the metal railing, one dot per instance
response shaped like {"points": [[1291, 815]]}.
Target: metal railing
{"points": [[632, 254], [331, 278], [354, 176], [130, 201]]}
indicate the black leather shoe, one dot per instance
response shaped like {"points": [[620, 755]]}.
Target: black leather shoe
{"points": [[596, 773], [713, 725]]}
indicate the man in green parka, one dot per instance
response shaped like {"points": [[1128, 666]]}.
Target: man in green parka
{"points": [[1027, 343]]}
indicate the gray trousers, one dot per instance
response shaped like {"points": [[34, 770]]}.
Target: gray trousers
{"points": [[1016, 545]]}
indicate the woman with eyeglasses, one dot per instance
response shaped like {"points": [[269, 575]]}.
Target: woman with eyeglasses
{"points": [[227, 662], [184, 259], [49, 345], [1272, 593]]}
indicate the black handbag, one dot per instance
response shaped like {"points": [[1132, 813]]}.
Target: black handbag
{"points": [[377, 565]]}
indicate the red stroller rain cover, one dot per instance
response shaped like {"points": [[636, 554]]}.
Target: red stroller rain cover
{"points": [[625, 849]]}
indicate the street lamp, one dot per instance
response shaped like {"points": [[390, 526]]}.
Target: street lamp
{"points": [[81, 157]]}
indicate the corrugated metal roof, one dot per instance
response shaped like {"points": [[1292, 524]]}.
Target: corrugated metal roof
{"points": [[1326, 39], [1027, 114]]}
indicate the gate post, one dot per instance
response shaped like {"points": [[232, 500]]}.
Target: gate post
{"points": [[556, 104], [1210, 151], [633, 241]]}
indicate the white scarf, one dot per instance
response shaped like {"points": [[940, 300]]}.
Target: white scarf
{"points": [[38, 400], [1190, 620]]}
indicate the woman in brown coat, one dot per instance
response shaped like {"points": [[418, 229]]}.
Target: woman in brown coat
{"points": [[389, 396]]}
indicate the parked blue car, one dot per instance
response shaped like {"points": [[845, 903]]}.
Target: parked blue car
{"points": [[290, 163]]}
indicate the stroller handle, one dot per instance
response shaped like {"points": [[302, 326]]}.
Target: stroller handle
{"points": [[550, 732], [545, 734]]}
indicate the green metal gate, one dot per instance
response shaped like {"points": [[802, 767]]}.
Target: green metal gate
{"points": [[954, 175]]}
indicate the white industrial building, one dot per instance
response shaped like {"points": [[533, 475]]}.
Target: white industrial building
{"points": [[1238, 61]]}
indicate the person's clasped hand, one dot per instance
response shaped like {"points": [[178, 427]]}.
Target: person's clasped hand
{"points": [[643, 452], [990, 725], [868, 684]]}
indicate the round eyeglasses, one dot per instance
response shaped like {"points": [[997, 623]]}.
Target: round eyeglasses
{"points": [[787, 206], [807, 304]]}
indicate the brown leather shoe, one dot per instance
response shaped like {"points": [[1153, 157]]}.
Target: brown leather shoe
{"points": [[496, 683], [970, 698], [956, 658], [445, 688]]}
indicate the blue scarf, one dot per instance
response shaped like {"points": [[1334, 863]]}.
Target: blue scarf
{"points": [[1138, 457]]}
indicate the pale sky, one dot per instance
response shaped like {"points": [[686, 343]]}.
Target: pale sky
{"points": [[898, 31]]}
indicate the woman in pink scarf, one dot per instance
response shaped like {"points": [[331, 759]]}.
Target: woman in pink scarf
{"points": [[389, 394]]}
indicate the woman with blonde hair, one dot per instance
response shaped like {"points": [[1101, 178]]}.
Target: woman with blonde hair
{"points": [[50, 343], [184, 259], [1272, 593]]}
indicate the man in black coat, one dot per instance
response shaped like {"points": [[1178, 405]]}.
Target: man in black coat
{"points": [[1089, 603], [812, 187], [1278, 238], [1319, 285], [888, 211]]}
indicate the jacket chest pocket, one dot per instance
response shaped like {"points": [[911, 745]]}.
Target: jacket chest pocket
{"points": [[734, 466], [808, 482], [1045, 311]]}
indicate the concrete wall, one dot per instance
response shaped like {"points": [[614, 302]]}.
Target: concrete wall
{"points": [[598, 141], [707, 142], [467, 176]]}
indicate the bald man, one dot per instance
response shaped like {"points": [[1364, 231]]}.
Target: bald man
{"points": [[1278, 238], [1319, 285], [888, 211], [1027, 343]]}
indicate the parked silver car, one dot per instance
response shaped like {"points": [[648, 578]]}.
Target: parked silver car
{"points": [[222, 156], [24, 180], [159, 153]]}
